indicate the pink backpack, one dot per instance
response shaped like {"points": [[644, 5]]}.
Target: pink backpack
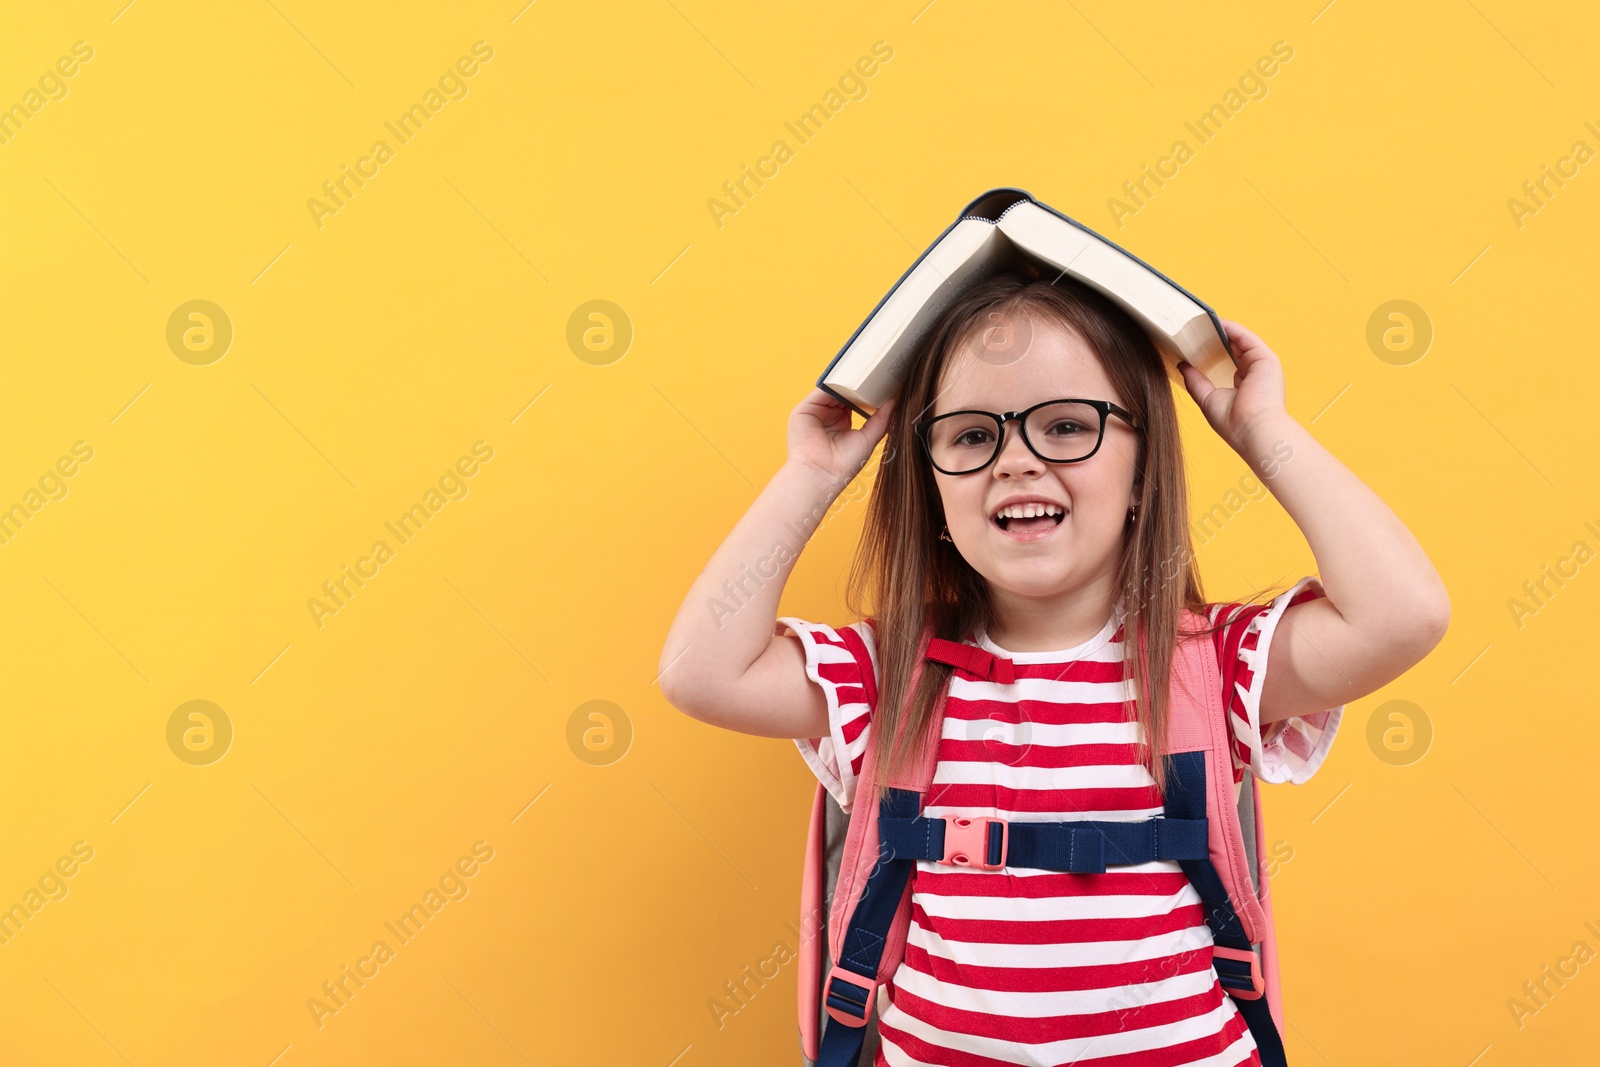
{"points": [[857, 877]]}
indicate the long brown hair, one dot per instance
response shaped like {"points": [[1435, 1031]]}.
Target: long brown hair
{"points": [[914, 578]]}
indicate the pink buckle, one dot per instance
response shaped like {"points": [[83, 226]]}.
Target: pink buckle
{"points": [[830, 997], [1257, 986], [966, 842]]}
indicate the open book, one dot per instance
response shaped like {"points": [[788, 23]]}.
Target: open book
{"points": [[1006, 229]]}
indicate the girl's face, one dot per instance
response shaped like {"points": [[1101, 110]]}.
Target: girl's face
{"points": [[1010, 364]]}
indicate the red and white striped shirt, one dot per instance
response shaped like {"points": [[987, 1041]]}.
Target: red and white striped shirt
{"points": [[1024, 966]]}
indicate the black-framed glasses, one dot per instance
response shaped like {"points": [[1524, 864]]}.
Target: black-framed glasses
{"points": [[1057, 431]]}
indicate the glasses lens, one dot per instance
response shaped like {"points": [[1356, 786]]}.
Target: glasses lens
{"points": [[962, 441], [1064, 431]]}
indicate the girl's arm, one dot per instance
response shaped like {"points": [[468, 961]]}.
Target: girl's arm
{"points": [[1386, 606], [722, 664]]}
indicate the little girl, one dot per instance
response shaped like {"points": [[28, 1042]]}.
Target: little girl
{"points": [[1031, 501]]}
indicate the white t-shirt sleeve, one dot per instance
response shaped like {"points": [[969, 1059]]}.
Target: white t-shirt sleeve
{"points": [[844, 669], [1291, 749]]}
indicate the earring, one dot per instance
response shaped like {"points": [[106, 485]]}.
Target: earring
{"points": [[946, 535], [1133, 512]]}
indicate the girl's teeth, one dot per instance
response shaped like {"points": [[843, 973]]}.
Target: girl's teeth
{"points": [[1024, 512]]}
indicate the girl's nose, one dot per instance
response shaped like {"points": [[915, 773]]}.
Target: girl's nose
{"points": [[1016, 458]]}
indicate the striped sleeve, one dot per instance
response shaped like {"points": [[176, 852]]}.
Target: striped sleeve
{"points": [[1292, 749], [845, 664]]}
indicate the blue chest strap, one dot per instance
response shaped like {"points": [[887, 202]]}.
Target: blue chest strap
{"points": [[1082, 847]]}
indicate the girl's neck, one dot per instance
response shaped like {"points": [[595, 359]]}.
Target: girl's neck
{"points": [[1029, 625]]}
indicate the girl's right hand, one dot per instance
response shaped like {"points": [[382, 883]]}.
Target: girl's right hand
{"points": [[821, 439]]}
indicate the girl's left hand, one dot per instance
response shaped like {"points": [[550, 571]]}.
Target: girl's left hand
{"points": [[1257, 391]]}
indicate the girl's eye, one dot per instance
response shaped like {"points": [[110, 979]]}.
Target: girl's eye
{"points": [[971, 438], [1067, 428]]}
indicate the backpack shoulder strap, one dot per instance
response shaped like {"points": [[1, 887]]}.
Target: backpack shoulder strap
{"points": [[1197, 723], [871, 910], [1200, 785]]}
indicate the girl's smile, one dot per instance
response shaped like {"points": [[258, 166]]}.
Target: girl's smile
{"points": [[1027, 518]]}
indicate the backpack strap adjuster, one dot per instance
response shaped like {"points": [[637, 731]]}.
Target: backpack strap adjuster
{"points": [[849, 996], [967, 842], [1243, 982]]}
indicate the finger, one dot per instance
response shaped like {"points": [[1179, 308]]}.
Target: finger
{"points": [[1250, 353], [1244, 340], [822, 398], [877, 423], [1200, 387], [826, 408]]}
